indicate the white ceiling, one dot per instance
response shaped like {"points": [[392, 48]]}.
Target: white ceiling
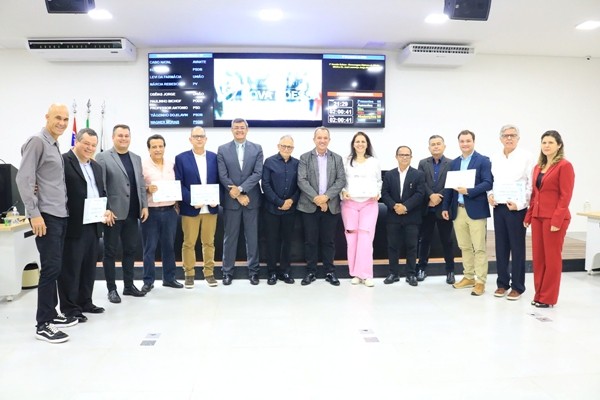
{"points": [[519, 27]]}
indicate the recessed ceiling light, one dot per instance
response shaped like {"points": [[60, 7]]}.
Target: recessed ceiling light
{"points": [[436, 18], [99, 14], [272, 14], [588, 25]]}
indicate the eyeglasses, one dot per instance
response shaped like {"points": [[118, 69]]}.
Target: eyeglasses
{"points": [[286, 147], [197, 137], [510, 136], [404, 155]]}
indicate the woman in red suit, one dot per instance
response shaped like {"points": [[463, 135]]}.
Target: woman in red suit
{"points": [[549, 217]]}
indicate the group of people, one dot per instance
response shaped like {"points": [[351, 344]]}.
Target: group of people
{"points": [[318, 188]]}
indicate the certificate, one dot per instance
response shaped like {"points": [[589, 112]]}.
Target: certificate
{"points": [[513, 192], [204, 194], [93, 210], [455, 179], [362, 186], [167, 191]]}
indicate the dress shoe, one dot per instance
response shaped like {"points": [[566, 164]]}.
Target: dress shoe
{"points": [[421, 275], [308, 279], [272, 279], [543, 305], [93, 309], [114, 297], [286, 278], [147, 287], [331, 278], [412, 280], [391, 278], [254, 279], [450, 278], [81, 318], [133, 291], [227, 278], [513, 295], [173, 284]]}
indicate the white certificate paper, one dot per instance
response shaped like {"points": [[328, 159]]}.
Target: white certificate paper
{"points": [[464, 179], [362, 186], [204, 194], [93, 210], [513, 192], [167, 191]]}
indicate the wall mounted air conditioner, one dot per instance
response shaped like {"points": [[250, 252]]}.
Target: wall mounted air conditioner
{"points": [[435, 55], [91, 50]]}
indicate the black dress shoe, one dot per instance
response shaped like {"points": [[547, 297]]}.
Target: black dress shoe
{"points": [[147, 287], [93, 309], [391, 278], [308, 279], [227, 278], [331, 278], [286, 278], [133, 291], [421, 275], [543, 305], [412, 280], [114, 297], [272, 279], [254, 279], [450, 278], [174, 284], [81, 318]]}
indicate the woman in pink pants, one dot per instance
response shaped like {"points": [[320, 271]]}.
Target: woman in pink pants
{"points": [[359, 207]]}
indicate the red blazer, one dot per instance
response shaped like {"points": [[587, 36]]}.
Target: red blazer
{"points": [[552, 199]]}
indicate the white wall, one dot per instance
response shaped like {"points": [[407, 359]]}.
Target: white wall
{"points": [[535, 93]]}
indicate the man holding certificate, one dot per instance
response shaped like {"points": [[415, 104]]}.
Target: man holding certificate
{"points": [[160, 227], [512, 168], [198, 173], [465, 202], [85, 191]]}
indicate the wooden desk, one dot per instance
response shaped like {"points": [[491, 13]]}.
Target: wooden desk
{"points": [[592, 242], [17, 249]]}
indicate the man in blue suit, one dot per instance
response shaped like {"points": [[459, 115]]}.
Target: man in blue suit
{"points": [[197, 167], [469, 209], [240, 164]]}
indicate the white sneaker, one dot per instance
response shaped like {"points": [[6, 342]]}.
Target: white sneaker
{"points": [[369, 282], [356, 281]]}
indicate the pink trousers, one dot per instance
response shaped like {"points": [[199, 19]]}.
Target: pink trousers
{"points": [[360, 220]]}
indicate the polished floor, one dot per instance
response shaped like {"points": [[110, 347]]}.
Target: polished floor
{"points": [[314, 342]]}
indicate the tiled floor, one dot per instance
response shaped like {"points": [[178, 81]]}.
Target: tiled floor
{"points": [[314, 342]]}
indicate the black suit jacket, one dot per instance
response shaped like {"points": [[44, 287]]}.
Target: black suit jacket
{"points": [[77, 192], [412, 196], [426, 166]]}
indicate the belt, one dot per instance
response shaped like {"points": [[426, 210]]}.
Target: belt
{"points": [[163, 208], [461, 205]]}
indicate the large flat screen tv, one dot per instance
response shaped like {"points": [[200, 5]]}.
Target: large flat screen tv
{"points": [[267, 89]]}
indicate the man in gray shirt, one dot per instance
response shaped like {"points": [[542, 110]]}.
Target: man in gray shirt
{"points": [[41, 183]]}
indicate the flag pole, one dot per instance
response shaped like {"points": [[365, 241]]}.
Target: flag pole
{"points": [[102, 111], [74, 133], [89, 107]]}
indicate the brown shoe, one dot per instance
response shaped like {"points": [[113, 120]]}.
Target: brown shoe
{"points": [[500, 292], [464, 283], [513, 295], [189, 282], [478, 289], [211, 281]]}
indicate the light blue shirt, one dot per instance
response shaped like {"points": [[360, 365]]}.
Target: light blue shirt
{"points": [[464, 163]]}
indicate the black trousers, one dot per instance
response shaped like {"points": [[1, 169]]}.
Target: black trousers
{"points": [[510, 240], [425, 236], [127, 231], [319, 234], [402, 237], [279, 230]]}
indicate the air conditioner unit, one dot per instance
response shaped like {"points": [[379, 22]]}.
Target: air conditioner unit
{"points": [[90, 50], [435, 55]]}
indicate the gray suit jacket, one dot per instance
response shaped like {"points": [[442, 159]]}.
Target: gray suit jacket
{"points": [[308, 181], [248, 177], [117, 181]]}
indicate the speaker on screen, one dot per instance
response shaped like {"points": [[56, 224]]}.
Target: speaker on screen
{"points": [[473, 10], [69, 6]]}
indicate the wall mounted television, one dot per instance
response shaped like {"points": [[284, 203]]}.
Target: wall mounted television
{"points": [[267, 89]]}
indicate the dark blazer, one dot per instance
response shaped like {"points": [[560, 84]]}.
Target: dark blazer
{"points": [[77, 192], [476, 202], [426, 166], [186, 171], [248, 177], [308, 181], [412, 196], [552, 199]]}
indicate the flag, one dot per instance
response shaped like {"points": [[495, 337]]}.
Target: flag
{"points": [[74, 131], [87, 121]]}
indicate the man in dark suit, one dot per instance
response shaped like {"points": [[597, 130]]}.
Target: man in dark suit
{"points": [[197, 167], [240, 164], [321, 178], [126, 189], [435, 168], [83, 177], [402, 193], [469, 209]]}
